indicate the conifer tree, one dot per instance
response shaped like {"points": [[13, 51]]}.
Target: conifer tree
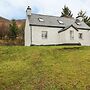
{"points": [[66, 12], [86, 19], [13, 30]]}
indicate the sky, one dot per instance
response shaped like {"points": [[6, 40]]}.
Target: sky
{"points": [[16, 9]]}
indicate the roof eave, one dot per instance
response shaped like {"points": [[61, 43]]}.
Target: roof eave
{"points": [[84, 28], [47, 26]]}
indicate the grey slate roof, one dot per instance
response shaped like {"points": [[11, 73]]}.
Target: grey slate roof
{"points": [[52, 21], [67, 28]]}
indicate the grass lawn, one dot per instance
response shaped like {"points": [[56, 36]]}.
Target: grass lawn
{"points": [[45, 68]]}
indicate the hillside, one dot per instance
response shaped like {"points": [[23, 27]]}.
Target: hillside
{"points": [[3, 19], [20, 22], [45, 68], [6, 22]]}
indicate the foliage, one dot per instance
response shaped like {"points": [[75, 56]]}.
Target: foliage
{"points": [[21, 31], [86, 19], [66, 12], [13, 30], [82, 14], [45, 68]]}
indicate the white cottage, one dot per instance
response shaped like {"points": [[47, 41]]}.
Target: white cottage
{"points": [[53, 30]]}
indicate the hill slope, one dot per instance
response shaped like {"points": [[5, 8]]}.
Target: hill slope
{"points": [[3, 19], [6, 22], [45, 68]]}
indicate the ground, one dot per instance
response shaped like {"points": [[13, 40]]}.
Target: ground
{"points": [[45, 68]]}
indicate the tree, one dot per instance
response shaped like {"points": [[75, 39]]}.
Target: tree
{"points": [[82, 14], [66, 12], [21, 30], [86, 19], [13, 30], [21, 34]]}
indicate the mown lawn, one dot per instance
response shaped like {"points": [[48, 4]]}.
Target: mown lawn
{"points": [[45, 68]]}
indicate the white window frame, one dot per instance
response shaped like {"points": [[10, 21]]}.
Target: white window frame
{"points": [[41, 19], [44, 34], [80, 35], [71, 35], [60, 22]]}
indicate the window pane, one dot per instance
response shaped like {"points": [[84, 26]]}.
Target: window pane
{"points": [[60, 22], [80, 35], [44, 34], [41, 20]]}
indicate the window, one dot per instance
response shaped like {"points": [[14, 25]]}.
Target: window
{"points": [[80, 36], [60, 22], [44, 34], [71, 35], [78, 23], [41, 19]]}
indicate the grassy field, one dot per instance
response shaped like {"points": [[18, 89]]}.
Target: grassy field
{"points": [[45, 68]]}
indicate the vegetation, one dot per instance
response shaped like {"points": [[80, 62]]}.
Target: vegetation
{"points": [[3, 31], [66, 12], [86, 19], [45, 68], [13, 30], [12, 33]]}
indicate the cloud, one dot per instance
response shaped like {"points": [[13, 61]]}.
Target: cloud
{"points": [[16, 8]]}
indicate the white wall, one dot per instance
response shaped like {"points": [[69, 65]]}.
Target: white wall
{"points": [[86, 37], [53, 36], [27, 34], [65, 35], [62, 38]]}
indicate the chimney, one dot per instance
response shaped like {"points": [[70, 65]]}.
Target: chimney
{"points": [[28, 11]]}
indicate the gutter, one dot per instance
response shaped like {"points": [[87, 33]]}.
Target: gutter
{"points": [[47, 26]]}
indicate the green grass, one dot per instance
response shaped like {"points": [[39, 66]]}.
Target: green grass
{"points": [[45, 68]]}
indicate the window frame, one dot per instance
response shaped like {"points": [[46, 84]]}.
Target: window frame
{"points": [[60, 22], [80, 36], [44, 34], [41, 19], [71, 35]]}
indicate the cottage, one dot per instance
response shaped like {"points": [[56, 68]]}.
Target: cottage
{"points": [[53, 30]]}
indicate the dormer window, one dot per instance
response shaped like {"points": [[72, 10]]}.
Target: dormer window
{"points": [[60, 22], [78, 22], [41, 19]]}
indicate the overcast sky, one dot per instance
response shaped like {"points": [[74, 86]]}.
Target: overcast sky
{"points": [[15, 9]]}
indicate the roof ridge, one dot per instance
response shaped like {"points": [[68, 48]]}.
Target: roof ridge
{"points": [[51, 16], [45, 15]]}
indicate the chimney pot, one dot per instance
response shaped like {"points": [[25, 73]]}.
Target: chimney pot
{"points": [[28, 11]]}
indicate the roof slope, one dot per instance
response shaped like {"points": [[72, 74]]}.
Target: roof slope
{"points": [[52, 21], [67, 28]]}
